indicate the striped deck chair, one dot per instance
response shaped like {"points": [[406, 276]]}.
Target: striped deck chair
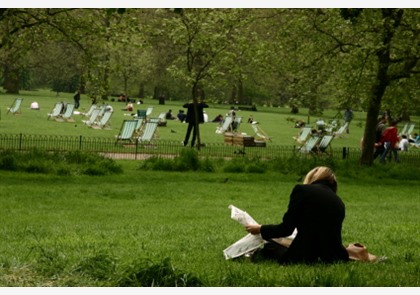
{"points": [[127, 131], [226, 126], [89, 112], [340, 132], [325, 144], [148, 133], [56, 111], [104, 122], [309, 145], [15, 108], [93, 117], [162, 119], [149, 111], [259, 134], [139, 127], [303, 136], [410, 129], [67, 116]]}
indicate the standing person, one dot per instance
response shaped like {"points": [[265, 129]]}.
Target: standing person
{"points": [[76, 98], [390, 141], [193, 119], [317, 213], [348, 116], [379, 131]]}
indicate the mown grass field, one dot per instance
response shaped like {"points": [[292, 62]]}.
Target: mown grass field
{"points": [[123, 230], [274, 121], [159, 228]]}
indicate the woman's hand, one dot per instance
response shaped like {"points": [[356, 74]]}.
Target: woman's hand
{"points": [[253, 228]]}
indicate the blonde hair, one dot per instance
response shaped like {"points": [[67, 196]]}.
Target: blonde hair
{"points": [[321, 173]]}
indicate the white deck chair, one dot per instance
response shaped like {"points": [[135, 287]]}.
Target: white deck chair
{"points": [[139, 126], [259, 134], [409, 130], [149, 111], [325, 143], [104, 122], [67, 116], [162, 119], [303, 136], [340, 132], [15, 108], [309, 145], [127, 131], [403, 131], [148, 133], [93, 117], [56, 111], [226, 126], [89, 112]]}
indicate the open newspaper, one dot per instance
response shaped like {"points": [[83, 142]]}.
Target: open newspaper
{"points": [[249, 242]]}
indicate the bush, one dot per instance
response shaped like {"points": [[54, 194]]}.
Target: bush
{"points": [[59, 163]]}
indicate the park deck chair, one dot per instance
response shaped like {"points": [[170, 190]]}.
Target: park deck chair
{"points": [[409, 130], [104, 122], [67, 116], [148, 133], [56, 111], [162, 119], [127, 131], [259, 134], [139, 126], [93, 117], [89, 112], [141, 114], [325, 144], [15, 107], [403, 131], [226, 126], [303, 136], [149, 111], [236, 123], [309, 145], [340, 132]]}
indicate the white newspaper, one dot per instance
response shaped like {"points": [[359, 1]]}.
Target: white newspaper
{"points": [[250, 242]]}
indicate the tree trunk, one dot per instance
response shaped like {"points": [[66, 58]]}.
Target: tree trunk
{"points": [[11, 80], [379, 88], [141, 90]]}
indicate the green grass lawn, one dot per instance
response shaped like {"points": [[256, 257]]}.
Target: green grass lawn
{"points": [[274, 121], [106, 230], [144, 228]]}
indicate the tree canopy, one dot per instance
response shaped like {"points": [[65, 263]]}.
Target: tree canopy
{"points": [[366, 59]]}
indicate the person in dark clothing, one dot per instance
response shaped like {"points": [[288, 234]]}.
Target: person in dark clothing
{"points": [[181, 116], [317, 213], [76, 98], [192, 118]]}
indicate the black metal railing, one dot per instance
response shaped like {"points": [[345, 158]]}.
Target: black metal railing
{"points": [[161, 148]]}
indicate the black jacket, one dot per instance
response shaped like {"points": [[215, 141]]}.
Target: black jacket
{"points": [[318, 213], [191, 112]]}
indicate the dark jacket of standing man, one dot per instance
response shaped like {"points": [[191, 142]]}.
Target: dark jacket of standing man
{"points": [[191, 120]]}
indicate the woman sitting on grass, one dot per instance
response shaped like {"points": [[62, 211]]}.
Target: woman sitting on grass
{"points": [[317, 212]]}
